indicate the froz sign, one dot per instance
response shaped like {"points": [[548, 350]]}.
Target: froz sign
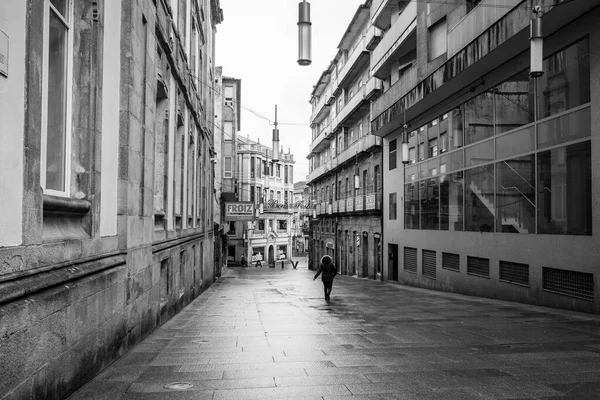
{"points": [[239, 211]]}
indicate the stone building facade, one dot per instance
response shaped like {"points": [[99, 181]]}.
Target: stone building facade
{"points": [[105, 181], [498, 196], [269, 185], [345, 158], [227, 125]]}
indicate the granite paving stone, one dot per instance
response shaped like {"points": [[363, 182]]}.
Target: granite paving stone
{"points": [[268, 334]]}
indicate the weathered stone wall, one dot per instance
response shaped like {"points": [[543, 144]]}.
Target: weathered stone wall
{"points": [[73, 299]]}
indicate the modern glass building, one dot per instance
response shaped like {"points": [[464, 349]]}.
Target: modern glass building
{"points": [[496, 196]]}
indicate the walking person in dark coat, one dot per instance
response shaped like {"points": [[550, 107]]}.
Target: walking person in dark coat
{"points": [[327, 271]]}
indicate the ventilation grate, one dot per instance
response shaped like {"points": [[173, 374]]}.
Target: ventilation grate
{"points": [[429, 263], [478, 266], [569, 283], [451, 261], [410, 259], [514, 273]]}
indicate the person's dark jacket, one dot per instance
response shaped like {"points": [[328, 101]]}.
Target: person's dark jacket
{"points": [[327, 272]]}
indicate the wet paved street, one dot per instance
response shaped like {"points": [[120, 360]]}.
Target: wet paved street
{"points": [[269, 334]]}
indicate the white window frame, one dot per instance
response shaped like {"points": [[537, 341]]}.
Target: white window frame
{"points": [[227, 133], [69, 98], [227, 173]]}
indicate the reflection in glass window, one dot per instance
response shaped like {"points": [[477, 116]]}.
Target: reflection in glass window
{"points": [[451, 202], [411, 206], [567, 82], [429, 196], [479, 199], [517, 142], [514, 103], [565, 128], [480, 153], [515, 195], [455, 129], [56, 89], [565, 190], [479, 117]]}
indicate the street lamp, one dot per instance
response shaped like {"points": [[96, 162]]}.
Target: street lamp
{"points": [[536, 41], [405, 156], [304, 33], [275, 139]]}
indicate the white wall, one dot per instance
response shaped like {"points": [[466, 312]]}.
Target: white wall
{"points": [[12, 117], [111, 77]]}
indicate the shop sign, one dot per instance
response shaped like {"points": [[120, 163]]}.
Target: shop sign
{"points": [[239, 211]]}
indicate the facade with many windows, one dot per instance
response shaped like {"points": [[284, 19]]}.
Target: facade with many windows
{"points": [[345, 158], [497, 195], [269, 185], [106, 183], [227, 124]]}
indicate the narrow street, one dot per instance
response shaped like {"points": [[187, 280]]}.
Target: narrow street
{"points": [[262, 333]]}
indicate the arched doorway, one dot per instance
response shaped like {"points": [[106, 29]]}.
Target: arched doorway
{"points": [[271, 256]]}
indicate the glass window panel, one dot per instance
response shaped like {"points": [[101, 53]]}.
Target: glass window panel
{"points": [[430, 205], [392, 206], [411, 206], [518, 142], [565, 190], [514, 103], [433, 167], [566, 84], [479, 199], [564, 129], [410, 174], [451, 202], [57, 105], [479, 112], [515, 195], [480, 153], [61, 7], [451, 161], [455, 129], [412, 155], [437, 39], [423, 170]]}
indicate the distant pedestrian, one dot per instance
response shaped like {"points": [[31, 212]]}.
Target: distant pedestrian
{"points": [[327, 271], [244, 262], [258, 260]]}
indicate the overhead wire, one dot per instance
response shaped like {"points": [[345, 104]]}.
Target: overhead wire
{"points": [[220, 94]]}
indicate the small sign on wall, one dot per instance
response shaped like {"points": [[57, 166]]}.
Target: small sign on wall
{"points": [[3, 54]]}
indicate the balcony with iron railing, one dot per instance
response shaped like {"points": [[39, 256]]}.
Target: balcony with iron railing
{"points": [[393, 39], [359, 54], [484, 15], [322, 107], [320, 141], [362, 203], [364, 143], [398, 90], [370, 89], [373, 36], [322, 169]]}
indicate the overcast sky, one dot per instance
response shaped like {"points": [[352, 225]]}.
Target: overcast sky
{"points": [[257, 42]]}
